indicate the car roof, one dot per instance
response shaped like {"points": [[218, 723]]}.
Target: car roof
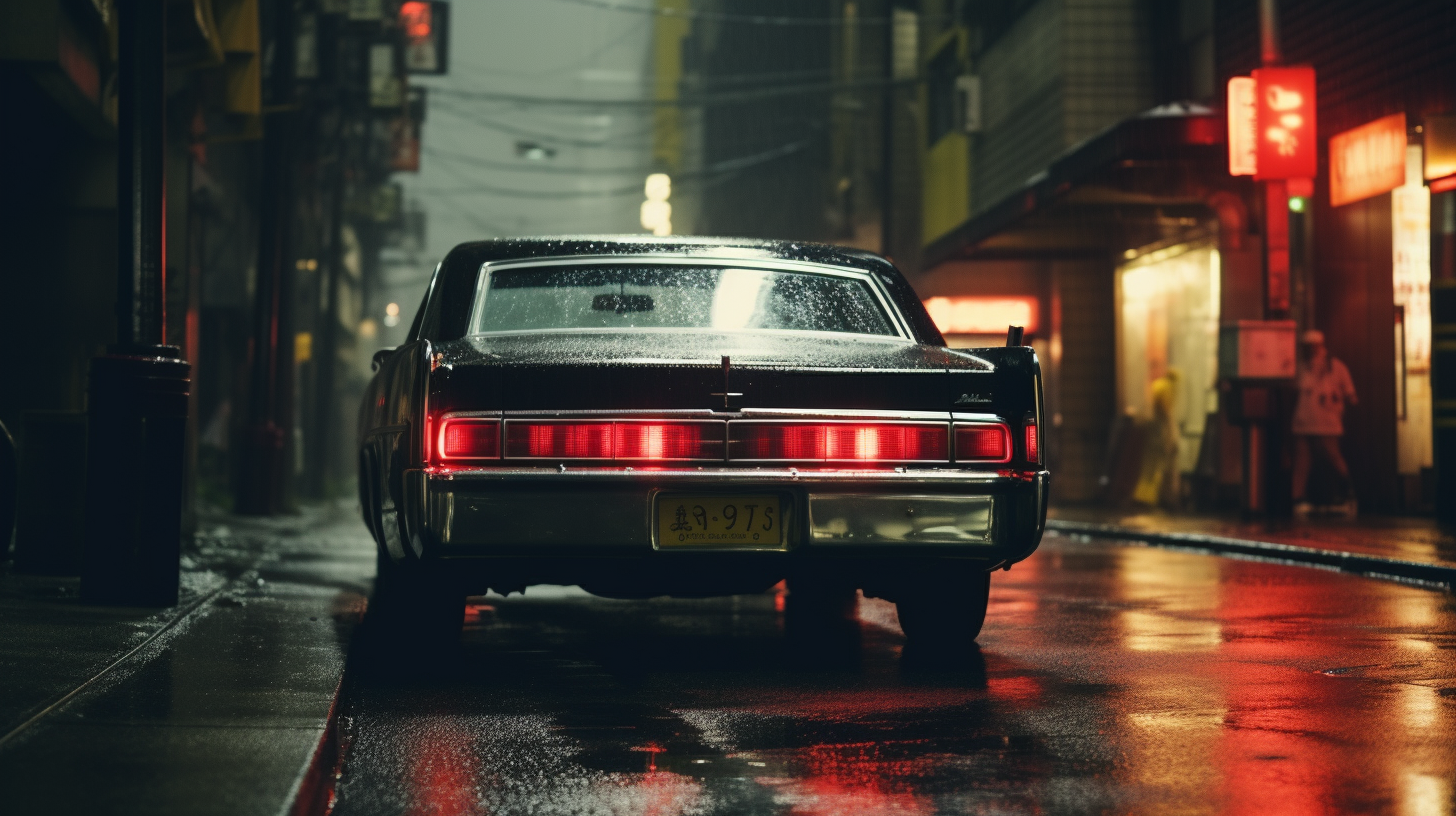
{"points": [[457, 275], [501, 249]]}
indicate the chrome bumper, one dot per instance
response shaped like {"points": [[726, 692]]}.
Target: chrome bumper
{"points": [[595, 512]]}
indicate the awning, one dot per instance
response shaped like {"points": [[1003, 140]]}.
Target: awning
{"points": [[1129, 185]]}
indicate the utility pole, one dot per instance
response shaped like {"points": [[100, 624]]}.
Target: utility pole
{"points": [[137, 394], [327, 354], [887, 136], [1264, 491], [266, 473]]}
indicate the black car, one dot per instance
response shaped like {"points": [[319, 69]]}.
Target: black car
{"points": [[695, 417]]}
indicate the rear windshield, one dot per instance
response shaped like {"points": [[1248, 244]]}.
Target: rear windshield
{"points": [[675, 297]]}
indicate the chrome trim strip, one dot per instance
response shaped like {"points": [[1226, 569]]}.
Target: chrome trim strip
{"points": [[849, 413], [897, 320], [731, 475], [635, 414], [957, 416]]}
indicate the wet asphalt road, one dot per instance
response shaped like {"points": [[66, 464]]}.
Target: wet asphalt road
{"points": [[1110, 679]]}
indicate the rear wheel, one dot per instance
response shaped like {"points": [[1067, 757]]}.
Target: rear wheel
{"points": [[415, 606], [945, 610]]}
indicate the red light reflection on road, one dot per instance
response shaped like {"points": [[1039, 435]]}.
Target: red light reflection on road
{"points": [[443, 771], [1274, 688], [857, 778]]}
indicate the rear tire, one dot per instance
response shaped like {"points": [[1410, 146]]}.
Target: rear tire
{"points": [[415, 606], [945, 611]]}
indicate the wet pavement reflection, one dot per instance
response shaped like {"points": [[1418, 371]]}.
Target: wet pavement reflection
{"points": [[1109, 679]]}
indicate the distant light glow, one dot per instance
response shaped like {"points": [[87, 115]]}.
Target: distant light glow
{"points": [[1297, 203], [656, 212], [1242, 134], [982, 315], [736, 299]]}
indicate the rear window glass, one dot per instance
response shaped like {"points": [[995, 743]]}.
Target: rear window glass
{"points": [[675, 297]]}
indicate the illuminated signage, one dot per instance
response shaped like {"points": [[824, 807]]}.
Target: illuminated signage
{"points": [[1243, 95], [1368, 160], [1440, 145], [1285, 123], [1410, 241], [982, 315]]}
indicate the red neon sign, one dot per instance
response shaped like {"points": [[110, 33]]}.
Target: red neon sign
{"points": [[1285, 116]]}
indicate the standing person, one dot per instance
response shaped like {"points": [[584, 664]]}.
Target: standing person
{"points": [[1158, 480], [1325, 389]]}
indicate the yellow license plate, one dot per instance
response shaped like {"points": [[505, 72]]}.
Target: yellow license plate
{"points": [[719, 522]]}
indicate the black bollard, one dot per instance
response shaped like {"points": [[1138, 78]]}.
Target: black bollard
{"points": [[137, 412]]}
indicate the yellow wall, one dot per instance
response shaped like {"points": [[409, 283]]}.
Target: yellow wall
{"points": [[945, 188], [667, 40], [945, 167]]}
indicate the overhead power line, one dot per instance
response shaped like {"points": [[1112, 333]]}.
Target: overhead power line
{"points": [[709, 173], [724, 166], [729, 17], [722, 98], [614, 141]]}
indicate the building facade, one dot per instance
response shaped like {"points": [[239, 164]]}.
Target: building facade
{"points": [[1100, 206]]}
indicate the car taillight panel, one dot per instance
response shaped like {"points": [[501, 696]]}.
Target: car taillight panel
{"points": [[668, 440], [982, 442], [608, 440], [838, 442], [467, 438]]}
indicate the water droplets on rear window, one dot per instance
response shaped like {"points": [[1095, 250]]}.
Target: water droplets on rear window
{"points": [[587, 297]]}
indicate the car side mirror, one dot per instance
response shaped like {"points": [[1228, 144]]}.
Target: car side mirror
{"points": [[379, 356]]}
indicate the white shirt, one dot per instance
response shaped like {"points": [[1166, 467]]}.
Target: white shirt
{"points": [[1322, 398]]}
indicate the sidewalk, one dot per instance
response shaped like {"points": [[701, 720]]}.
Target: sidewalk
{"points": [[1411, 549], [219, 705]]}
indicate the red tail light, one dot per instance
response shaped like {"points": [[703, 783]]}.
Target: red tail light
{"points": [[983, 443], [668, 440], [464, 438], [559, 440], [1033, 453], [651, 441], [839, 442]]}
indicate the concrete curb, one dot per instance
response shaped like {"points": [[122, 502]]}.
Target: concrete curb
{"points": [[314, 791], [1431, 576]]}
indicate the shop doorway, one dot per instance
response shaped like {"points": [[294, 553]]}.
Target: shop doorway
{"points": [[1167, 367]]}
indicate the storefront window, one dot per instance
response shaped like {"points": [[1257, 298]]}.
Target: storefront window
{"points": [[1410, 207], [1167, 341]]}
